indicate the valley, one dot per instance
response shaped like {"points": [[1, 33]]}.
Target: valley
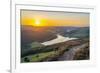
{"points": [[44, 44]]}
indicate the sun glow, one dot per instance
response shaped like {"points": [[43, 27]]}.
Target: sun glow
{"points": [[46, 18], [37, 23]]}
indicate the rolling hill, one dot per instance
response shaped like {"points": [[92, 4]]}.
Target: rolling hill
{"points": [[31, 34], [82, 32]]}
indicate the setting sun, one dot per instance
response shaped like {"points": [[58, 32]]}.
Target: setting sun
{"points": [[37, 23]]}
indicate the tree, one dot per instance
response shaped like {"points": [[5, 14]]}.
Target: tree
{"points": [[26, 59]]}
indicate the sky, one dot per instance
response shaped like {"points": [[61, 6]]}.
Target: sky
{"points": [[50, 18]]}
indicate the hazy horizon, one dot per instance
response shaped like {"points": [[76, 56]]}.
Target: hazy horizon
{"points": [[50, 18]]}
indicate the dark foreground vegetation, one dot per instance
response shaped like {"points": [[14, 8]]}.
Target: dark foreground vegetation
{"points": [[53, 52]]}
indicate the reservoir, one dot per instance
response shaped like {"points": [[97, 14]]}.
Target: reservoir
{"points": [[59, 39]]}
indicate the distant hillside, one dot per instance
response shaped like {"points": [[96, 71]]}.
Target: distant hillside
{"points": [[82, 32], [31, 34]]}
